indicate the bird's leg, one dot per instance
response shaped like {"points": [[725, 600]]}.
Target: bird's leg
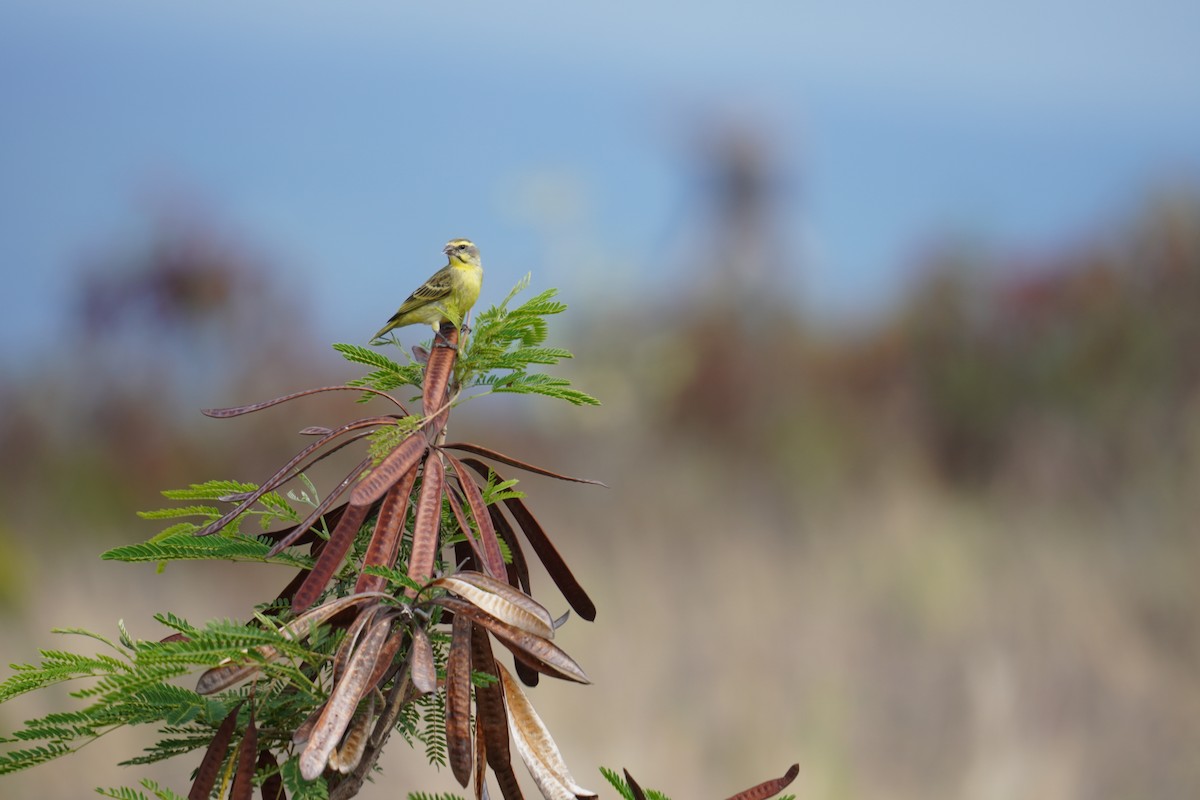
{"points": [[444, 342], [464, 330]]}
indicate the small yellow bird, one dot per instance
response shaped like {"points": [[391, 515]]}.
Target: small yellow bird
{"points": [[447, 296]]}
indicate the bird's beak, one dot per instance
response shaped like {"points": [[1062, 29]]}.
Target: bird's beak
{"points": [[447, 250]]}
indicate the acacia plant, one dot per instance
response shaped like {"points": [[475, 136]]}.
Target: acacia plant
{"points": [[409, 569]]}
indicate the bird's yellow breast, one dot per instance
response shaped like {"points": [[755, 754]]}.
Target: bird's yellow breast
{"points": [[468, 281]]}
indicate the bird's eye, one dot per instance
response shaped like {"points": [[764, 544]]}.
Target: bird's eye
{"points": [[462, 246]]}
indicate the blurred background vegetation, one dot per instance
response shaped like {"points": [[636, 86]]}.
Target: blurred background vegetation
{"points": [[946, 548]]}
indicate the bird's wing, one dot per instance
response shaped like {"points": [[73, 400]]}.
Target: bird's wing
{"points": [[436, 288]]}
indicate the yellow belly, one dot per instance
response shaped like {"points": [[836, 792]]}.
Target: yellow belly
{"points": [[468, 280]]}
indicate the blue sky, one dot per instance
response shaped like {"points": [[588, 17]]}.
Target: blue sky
{"points": [[350, 140]]}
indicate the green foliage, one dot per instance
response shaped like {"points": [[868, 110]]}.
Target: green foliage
{"points": [[397, 580], [496, 355], [299, 789], [272, 508], [385, 439], [497, 491], [156, 792], [518, 382], [386, 375], [209, 490], [183, 546], [136, 687], [506, 341]]}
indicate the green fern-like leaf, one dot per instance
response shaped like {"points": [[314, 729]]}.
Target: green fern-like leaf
{"points": [[432, 733], [125, 793], [181, 511], [171, 747], [537, 383], [58, 666], [357, 354], [397, 578], [122, 793], [386, 375], [121, 686], [209, 490], [388, 437], [185, 547], [618, 783], [277, 509], [495, 492], [176, 623], [16, 760], [218, 640], [298, 788]]}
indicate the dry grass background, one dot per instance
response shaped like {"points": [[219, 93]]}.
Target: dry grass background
{"points": [[907, 643]]}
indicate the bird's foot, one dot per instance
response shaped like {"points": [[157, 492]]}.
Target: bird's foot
{"points": [[440, 340]]}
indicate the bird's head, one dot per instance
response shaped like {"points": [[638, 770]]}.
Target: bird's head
{"points": [[462, 250]]}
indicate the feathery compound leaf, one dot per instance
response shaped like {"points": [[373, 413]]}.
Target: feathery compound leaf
{"points": [[506, 341], [357, 354], [125, 793], [186, 547], [537, 383], [387, 438], [182, 511], [15, 760], [617, 782], [386, 375], [299, 787], [209, 490], [58, 666]]}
